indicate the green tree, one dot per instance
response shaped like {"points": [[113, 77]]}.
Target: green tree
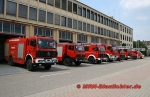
{"points": [[123, 44], [141, 45]]}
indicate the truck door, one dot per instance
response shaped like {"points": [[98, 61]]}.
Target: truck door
{"points": [[71, 51], [31, 49]]}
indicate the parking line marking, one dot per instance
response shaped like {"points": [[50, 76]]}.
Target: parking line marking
{"points": [[54, 74]]}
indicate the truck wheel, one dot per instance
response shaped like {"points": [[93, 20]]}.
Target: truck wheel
{"points": [[47, 67], [67, 61], [29, 65], [78, 63], [11, 61], [91, 60]]}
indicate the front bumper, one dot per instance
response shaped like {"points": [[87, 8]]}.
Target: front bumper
{"points": [[80, 59], [46, 61]]}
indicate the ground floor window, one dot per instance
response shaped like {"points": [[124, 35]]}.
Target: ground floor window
{"points": [[12, 28], [43, 31], [65, 36], [104, 41], [94, 39], [82, 38], [111, 42]]}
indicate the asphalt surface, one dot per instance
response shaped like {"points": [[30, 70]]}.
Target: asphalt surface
{"points": [[16, 81]]}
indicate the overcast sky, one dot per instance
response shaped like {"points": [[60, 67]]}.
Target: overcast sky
{"points": [[133, 13]]}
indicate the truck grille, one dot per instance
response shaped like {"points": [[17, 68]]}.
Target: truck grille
{"points": [[102, 55], [46, 54], [80, 56]]}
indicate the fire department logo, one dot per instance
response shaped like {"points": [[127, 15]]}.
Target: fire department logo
{"points": [[48, 53]]}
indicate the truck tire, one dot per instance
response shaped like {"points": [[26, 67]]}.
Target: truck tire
{"points": [[91, 60], [29, 65], [67, 62], [47, 67], [10, 61], [78, 63]]}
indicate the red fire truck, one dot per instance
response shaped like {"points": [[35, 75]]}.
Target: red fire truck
{"points": [[134, 53], [95, 53], [111, 54], [127, 50], [32, 51], [70, 53]]}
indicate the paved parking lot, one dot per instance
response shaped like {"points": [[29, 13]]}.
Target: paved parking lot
{"points": [[61, 81]]}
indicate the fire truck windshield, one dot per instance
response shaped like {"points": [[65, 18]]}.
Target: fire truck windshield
{"points": [[102, 49], [110, 48], [80, 48], [45, 43]]}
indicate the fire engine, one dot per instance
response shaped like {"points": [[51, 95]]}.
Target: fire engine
{"points": [[134, 53], [70, 53], [95, 53], [32, 51], [127, 50], [119, 52], [111, 54]]}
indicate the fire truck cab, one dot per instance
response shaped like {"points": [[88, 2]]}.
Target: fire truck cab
{"points": [[70, 53], [32, 51], [111, 54], [95, 53], [134, 53]]}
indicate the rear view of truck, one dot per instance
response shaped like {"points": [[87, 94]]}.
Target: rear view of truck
{"points": [[70, 53]]}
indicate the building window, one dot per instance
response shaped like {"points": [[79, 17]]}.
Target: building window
{"points": [[79, 25], [98, 18], [69, 22], [50, 2], [102, 19], [57, 19], [74, 24], [106, 21], [105, 32], [69, 6], [84, 12], [74, 8], [65, 36], [63, 21], [11, 8], [95, 17], [50, 17], [88, 27], [120, 28], [43, 31], [92, 15], [6, 27], [95, 29], [104, 41], [92, 28], [18, 29], [33, 13], [94, 39], [84, 26], [44, 1], [64, 4], [23, 11], [82, 38], [99, 31], [42, 15], [49, 32], [121, 36], [79, 10], [11, 28], [1, 6], [88, 14], [57, 3]]}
